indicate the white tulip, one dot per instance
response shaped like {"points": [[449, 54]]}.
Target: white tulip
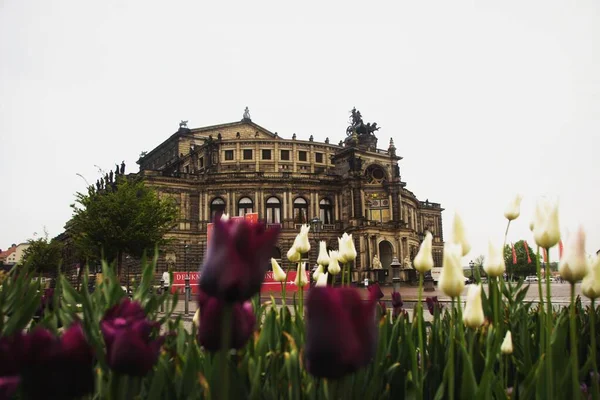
{"points": [[278, 273], [294, 255], [301, 242], [322, 281], [452, 278], [423, 262], [574, 264], [347, 251], [513, 210], [494, 263], [334, 266], [196, 319], [323, 258], [546, 231], [318, 272], [459, 235], [224, 217], [473, 316], [507, 345], [590, 287], [301, 279]]}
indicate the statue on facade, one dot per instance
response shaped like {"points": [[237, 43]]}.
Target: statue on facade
{"points": [[110, 176], [182, 124], [246, 114], [101, 183], [106, 180], [357, 125], [123, 167], [294, 136], [376, 262], [116, 169], [406, 264]]}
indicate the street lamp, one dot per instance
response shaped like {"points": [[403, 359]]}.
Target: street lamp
{"points": [[472, 264], [315, 224], [187, 281]]}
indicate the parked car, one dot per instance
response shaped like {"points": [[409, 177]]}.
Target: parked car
{"points": [[531, 278]]}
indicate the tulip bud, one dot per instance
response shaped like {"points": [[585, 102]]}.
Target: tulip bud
{"points": [[334, 266], [590, 287], [196, 319], [318, 272], [375, 291], [293, 255], [459, 235], [278, 273], [513, 210], [545, 224], [423, 262], [322, 281], [224, 217], [473, 316], [347, 251], [323, 258], [574, 265], [301, 279], [507, 345], [301, 242], [452, 278], [494, 263]]}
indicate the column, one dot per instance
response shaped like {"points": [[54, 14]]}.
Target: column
{"points": [[352, 202], [284, 214], [256, 204], [337, 206], [233, 203]]}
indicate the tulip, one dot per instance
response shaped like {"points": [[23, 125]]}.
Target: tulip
{"points": [[423, 262], [574, 265], [301, 242], [590, 287], [513, 210], [334, 266], [127, 335], [322, 281], [459, 235], [341, 333], [473, 316], [323, 258], [293, 255], [301, 279], [57, 367], [196, 319], [12, 358], [494, 263], [397, 303], [452, 279], [375, 291], [224, 217], [278, 273], [507, 345], [318, 272], [545, 224], [347, 251], [211, 316], [237, 259], [433, 304]]}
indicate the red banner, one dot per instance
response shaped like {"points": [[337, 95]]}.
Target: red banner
{"points": [[514, 253], [527, 251], [269, 284]]}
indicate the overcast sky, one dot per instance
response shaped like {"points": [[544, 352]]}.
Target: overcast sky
{"points": [[483, 99]]}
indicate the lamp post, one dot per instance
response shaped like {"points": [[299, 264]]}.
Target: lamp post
{"points": [[395, 274], [128, 279], [315, 225], [472, 264], [187, 281]]}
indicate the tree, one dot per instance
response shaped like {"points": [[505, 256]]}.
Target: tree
{"points": [[130, 218], [522, 267], [43, 255]]}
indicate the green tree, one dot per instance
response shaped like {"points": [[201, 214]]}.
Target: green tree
{"points": [[522, 267], [43, 255], [129, 219]]}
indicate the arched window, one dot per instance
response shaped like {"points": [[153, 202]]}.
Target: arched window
{"points": [[300, 211], [326, 211], [273, 210], [245, 206], [217, 207]]}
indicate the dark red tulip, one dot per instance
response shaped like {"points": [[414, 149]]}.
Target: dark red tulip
{"points": [[375, 291], [130, 349], [58, 368], [12, 357], [341, 332], [211, 316], [433, 304], [8, 386], [397, 303], [237, 259]]}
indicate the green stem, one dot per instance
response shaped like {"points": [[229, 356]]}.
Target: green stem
{"points": [[494, 290], [420, 330], [595, 391], [574, 356], [451, 356], [284, 285], [301, 302], [223, 378], [549, 369]]}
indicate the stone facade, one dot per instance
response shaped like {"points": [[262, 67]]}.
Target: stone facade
{"points": [[241, 167]]}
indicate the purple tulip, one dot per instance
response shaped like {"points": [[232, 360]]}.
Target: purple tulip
{"points": [[12, 358], [433, 304], [341, 333], [397, 303], [8, 386], [211, 315], [375, 291], [57, 368], [237, 259], [127, 332]]}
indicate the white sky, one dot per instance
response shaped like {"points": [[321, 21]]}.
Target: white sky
{"points": [[483, 99]]}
